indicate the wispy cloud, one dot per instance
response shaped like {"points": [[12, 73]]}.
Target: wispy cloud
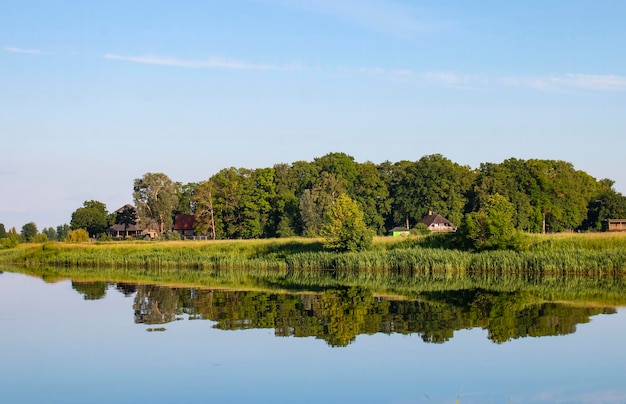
{"points": [[386, 16], [447, 79], [20, 50], [590, 82], [210, 63]]}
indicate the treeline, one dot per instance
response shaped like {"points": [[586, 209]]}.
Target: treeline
{"points": [[292, 199]]}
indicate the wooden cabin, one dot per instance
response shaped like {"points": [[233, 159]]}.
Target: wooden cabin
{"points": [[615, 225]]}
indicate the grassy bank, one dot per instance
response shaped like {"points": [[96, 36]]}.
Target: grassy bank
{"points": [[563, 254]]}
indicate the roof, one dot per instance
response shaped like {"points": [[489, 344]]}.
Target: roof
{"points": [[120, 210], [436, 218], [184, 222], [120, 227], [399, 228]]}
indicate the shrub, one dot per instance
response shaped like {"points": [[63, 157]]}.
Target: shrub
{"points": [[9, 242], [344, 228], [77, 236]]}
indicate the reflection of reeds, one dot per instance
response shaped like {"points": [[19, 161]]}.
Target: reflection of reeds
{"points": [[590, 289]]}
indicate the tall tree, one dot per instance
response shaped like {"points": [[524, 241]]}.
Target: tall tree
{"points": [[607, 204], [50, 233], [372, 195], [155, 197], [564, 194], [434, 183], [29, 232], [186, 203], [92, 216], [285, 205], [3, 231], [205, 214], [342, 166], [62, 231], [315, 202]]}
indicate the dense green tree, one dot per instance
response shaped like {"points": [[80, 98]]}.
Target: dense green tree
{"points": [[50, 233], [186, 202], [62, 231], [492, 228], [564, 194], [342, 167], [303, 175], [3, 231], [156, 199], [434, 183], [513, 180], [372, 195], [285, 205], [29, 232], [344, 228], [607, 204], [258, 193], [315, 202], [92, 216], [226, 203]]}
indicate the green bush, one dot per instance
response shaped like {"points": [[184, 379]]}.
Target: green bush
{"points": [[77, 236]]}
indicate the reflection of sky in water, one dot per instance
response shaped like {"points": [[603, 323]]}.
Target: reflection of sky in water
{"points": [[57, 347]]}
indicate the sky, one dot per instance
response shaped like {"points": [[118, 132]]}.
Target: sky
{"points": [[95, 94]]}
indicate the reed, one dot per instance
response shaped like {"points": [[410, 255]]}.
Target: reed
{"points": [[569, 254], [590, 289]]}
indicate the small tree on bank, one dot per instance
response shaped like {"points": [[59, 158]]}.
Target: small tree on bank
{"points": [[491, 228], [344, 227]]}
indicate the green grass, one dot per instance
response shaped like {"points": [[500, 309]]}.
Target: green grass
{"points": [[571, 254]]}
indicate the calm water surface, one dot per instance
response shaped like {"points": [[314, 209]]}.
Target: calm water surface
{"points": [[100, 342]]}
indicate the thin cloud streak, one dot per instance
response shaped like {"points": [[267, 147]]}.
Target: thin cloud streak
{"points": [[211, 63], [446, 79], [591, 82], [20, 50]]}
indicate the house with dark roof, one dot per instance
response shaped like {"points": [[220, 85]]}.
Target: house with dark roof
{"points": [[119, 230], [184, 225], [437, 223]]}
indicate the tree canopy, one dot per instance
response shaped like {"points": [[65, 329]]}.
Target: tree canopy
{"points": [[344, 228], [92, 216], [293, 199], [156, 198]]}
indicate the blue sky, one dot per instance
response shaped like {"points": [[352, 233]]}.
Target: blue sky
{"points": [[95, 94]]}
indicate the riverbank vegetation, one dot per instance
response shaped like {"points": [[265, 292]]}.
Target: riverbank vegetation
{"points": [[287, 200], [559, 254]]}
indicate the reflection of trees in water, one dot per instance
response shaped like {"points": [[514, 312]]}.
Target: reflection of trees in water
{"points": [[339, 316], [127, 289], [155, 304], [91, 290]]}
